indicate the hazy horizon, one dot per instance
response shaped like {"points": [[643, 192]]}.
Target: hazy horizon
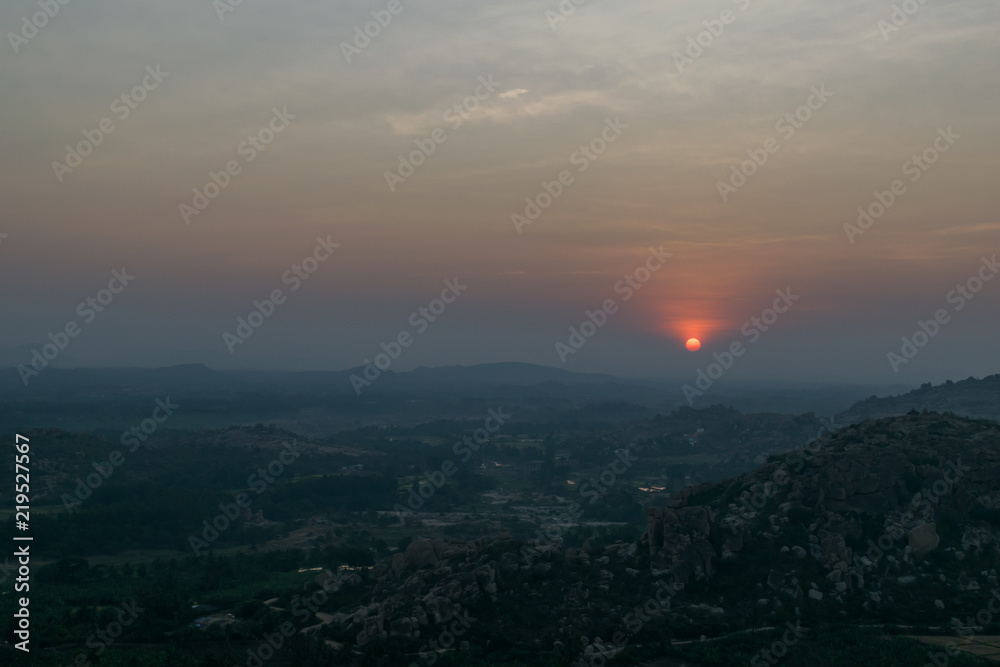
{"points": [[665, 123]]}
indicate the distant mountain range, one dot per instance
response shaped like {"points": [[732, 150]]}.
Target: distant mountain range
{"points": [[504, 373], [227, 396], [419, 379]]}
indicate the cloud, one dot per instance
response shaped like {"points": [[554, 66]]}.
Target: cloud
{"points": [[517, 92]]}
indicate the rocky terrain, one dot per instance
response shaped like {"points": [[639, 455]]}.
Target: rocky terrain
{"points": [[978, 398], [873, 519], [894, 521]]}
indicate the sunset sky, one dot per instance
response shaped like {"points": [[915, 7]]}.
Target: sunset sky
{"points": [[681, 124]]}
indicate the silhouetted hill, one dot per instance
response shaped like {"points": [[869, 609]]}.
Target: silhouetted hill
{"points": [[310, 402], [198, 377], [971, 398]]}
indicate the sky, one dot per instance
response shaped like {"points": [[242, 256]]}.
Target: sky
{"points": [[718, 150]]}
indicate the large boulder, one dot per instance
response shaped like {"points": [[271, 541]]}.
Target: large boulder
{"points": [[420, 554], [924, 538]]}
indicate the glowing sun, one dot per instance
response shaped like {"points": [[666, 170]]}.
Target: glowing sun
{"points": [[693, 344]]}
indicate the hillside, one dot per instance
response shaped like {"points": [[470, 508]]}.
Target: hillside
{"points": [[892, 524], [978, 398], [884, 521], [895, 521]]}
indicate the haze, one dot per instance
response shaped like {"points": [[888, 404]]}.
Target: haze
{"points": [[656, 184]]}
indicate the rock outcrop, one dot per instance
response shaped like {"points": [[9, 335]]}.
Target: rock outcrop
{"points": [[862, 503]]}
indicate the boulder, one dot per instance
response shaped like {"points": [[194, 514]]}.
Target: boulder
{"points": [[924, 539], [420, 553]]}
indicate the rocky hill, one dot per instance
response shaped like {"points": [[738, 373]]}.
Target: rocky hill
{"points": [[969, 398], [895, 519], [891, 521]]}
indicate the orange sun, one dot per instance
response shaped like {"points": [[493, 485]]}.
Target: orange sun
{"points": [[693, 344]]}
